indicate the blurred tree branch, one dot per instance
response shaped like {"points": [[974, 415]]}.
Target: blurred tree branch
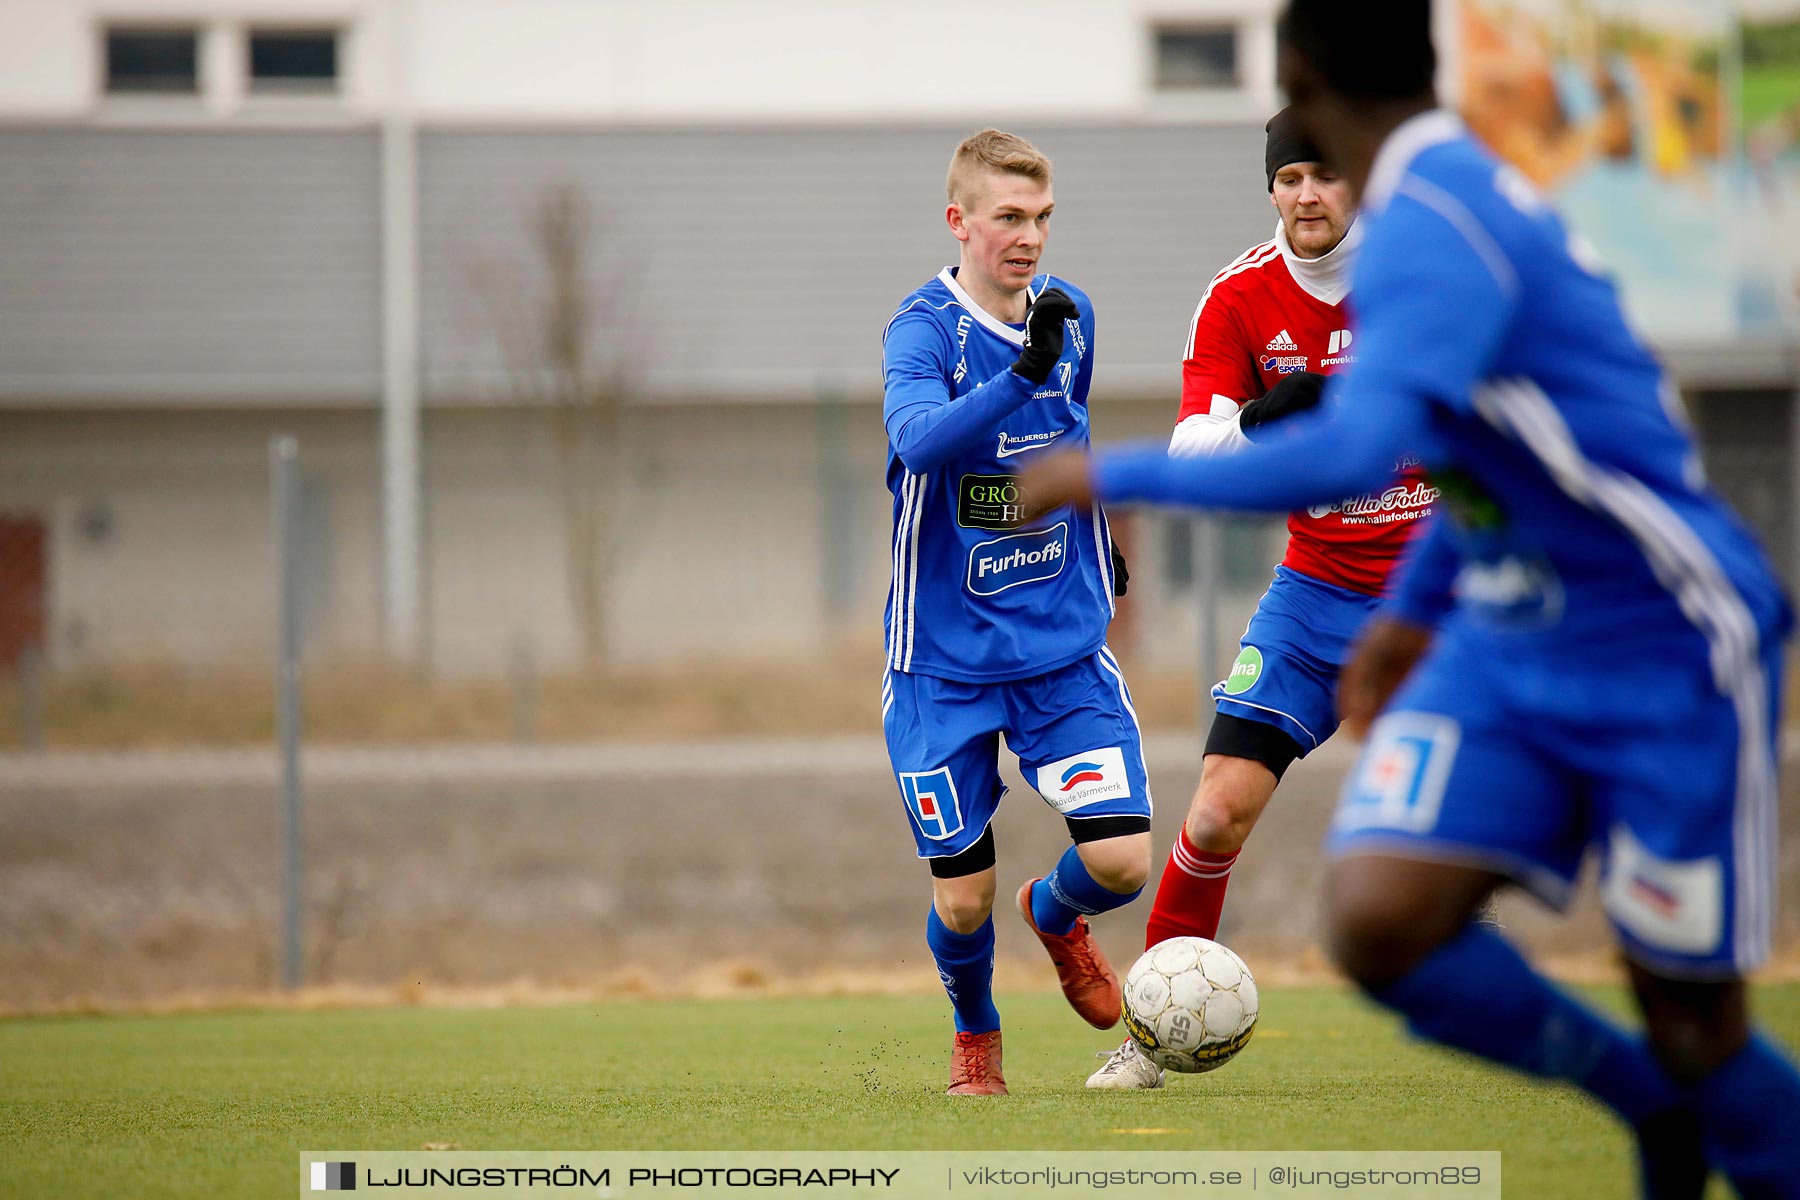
{"points": [[563, 333]]}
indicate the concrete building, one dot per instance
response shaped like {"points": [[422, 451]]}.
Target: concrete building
{"points": [[228, 217]]}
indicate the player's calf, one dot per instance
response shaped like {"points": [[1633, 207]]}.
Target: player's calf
{"points": [[1232, 794]]}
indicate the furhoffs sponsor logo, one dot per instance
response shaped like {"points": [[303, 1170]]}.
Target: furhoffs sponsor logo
{"points": [[1007, 562]]}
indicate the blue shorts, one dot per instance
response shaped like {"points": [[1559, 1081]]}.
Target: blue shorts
{"points": [[1287, 665], [1073, 729], [1521, 765]]}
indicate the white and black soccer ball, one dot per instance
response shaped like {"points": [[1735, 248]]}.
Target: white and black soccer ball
{"points": [[1190, 1004]]}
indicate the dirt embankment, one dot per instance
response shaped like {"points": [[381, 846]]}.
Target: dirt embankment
{"points": [[503, 875]]}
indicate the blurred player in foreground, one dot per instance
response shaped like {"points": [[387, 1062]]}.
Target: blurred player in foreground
{"points": [[1267, 332], [1606, 670], [994, 630]]}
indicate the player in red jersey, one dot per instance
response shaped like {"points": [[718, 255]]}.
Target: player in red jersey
{"points": [[1268, 330]]}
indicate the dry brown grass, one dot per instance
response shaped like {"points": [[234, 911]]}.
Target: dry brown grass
{"points": [[723, 979], [729, 979], [162, 705]]}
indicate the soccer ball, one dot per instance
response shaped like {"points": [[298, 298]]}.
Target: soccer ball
{"points": [[1190, 1004]]}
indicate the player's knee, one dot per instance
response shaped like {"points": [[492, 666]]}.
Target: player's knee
{"points": [[1232, 794], [964, 903], [1219, 822], [1120, 864], [1127, 876], [1364, 948], [965, 914], [1689, 1051], [1374, 935], [1692, 1027]]}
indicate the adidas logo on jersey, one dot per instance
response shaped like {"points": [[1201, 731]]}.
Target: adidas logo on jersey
{"points": [[1281, 341]]}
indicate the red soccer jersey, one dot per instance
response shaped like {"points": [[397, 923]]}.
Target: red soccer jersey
{"points": [[1254, 324]]}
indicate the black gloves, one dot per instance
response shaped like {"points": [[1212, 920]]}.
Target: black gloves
{"points": [[1044, 334], [1294, 393], [1121, 576]]}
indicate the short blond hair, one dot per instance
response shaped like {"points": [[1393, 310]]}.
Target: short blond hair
{"points": [[993, 151]]}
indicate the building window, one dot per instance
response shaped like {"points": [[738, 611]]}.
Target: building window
{"points": [[1195, 57], [294, 60], [154, 61]]}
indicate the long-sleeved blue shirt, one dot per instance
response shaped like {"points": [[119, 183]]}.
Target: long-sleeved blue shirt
{"points": [[974, 598]]}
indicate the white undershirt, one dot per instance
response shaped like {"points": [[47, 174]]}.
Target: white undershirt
{"points": [[1327, 277]]}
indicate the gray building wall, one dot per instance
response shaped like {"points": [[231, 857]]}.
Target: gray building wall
{"points": [[170, 297], [242, 267], [765, 263], [163, 266]]}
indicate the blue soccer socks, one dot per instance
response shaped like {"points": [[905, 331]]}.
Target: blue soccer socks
{"points": [[1750, 1119], [965, 962], [1476, 993], [1069, 892]]}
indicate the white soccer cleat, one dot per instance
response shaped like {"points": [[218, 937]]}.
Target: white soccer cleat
{"points": [[1126, 1068]]}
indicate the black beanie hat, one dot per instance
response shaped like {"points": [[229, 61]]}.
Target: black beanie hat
{"points": [[1287, 144]]}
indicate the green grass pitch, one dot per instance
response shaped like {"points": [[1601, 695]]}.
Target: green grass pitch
{"points": [[220, 1104]]}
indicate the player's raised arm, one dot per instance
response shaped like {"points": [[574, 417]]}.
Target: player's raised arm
{"points": [[926, 426], [1322, 457]]}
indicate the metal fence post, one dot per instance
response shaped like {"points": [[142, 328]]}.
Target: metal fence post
{"points": [[284, 494], [31, 696], [1206, 588], [837, 508], [522, 672]]}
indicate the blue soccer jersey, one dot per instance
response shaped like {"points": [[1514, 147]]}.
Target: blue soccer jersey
{"points": [[1580, 521], [973, 598], [1606, 667]]}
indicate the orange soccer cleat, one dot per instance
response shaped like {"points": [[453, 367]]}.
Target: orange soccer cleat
{"points": [[1088, 980], [975, 1066]]}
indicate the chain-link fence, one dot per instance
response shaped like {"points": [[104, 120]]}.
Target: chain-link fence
{"points": [[536, 796], [529, 802]]}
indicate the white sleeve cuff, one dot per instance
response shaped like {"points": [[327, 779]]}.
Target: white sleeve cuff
{"points": [[1207, 435]]}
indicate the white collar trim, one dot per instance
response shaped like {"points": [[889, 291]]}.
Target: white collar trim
{"points": [[1409, 139], [983, 317], [1326, 278]]}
